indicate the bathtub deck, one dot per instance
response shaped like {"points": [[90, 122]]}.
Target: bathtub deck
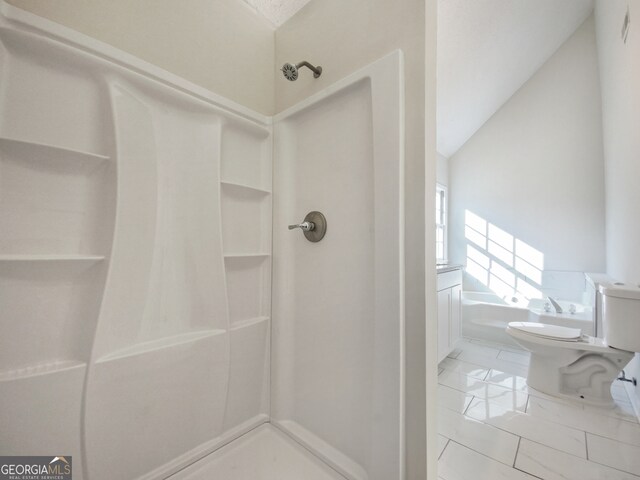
{"points": [[262, 454], [492, 426]]}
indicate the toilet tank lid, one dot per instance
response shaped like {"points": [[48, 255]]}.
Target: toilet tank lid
{"points": [[546, 330], [620, 290]]}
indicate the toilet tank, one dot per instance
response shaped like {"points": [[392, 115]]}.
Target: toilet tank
{"points": [[593, 297], [621, 315]]}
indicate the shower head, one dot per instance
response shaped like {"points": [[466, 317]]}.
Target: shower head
{"points": [[290, 71]]}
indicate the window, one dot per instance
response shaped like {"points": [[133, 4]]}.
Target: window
{"points": [[441, 223]]}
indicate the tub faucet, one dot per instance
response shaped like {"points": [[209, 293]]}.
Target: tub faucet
{"points": [[556, 305]]}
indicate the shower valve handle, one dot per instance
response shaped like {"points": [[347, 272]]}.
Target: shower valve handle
{"points": [[304, 226], [314, 226]]}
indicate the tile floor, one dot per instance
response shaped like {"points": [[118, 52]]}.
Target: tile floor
{"points": [[493, 427]]}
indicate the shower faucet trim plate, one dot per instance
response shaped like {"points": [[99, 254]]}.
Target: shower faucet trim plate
{"points": [[314, 226]]}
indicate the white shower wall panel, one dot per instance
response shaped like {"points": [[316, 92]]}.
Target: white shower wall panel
{"points": [[337, 346], [70, 101], [158, 404], [113, 282], [168, 230], [136, 284]]}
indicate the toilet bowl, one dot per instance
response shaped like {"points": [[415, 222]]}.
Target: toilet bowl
{"points": [[565, 363]]}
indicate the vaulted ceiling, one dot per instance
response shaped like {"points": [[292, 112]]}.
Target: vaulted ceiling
{"points": [[487, 49], [277, 11]]}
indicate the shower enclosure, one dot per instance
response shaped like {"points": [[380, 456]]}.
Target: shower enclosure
{"points": [[136, 262]]}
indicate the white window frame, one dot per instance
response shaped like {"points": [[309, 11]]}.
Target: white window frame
{"points": [[441, 221]]}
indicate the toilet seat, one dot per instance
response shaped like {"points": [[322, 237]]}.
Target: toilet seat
{"points": [[592, 344], [552, 332]]}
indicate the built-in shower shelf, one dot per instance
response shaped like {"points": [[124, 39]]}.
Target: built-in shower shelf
{"points": [[51, 258], [39, 369], [247, 255], [45, 152], [160, 343], [245, 187], [248, 322]]}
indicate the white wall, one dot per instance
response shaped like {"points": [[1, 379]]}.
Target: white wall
{"points": [[535, 169], [442, 170], [620, 77], [343, 37], [222, 45]]}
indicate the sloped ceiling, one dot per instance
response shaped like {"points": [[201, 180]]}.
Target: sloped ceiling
{"points": [[277, 11], [487, 49]]}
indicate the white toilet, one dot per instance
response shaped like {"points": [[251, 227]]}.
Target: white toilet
{"points": [[566, 363]]}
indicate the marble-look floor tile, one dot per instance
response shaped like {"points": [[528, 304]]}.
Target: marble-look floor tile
{"points": [[507, 380], [482, 438], [551, 464], [581, 419], [553, 435], [483, 391], [488, 362], [506, 397], [468, 347], [461, 463], [442, 444], [453, 399], [570, 402], [467, 368], [614, 454], [519, 358], [499, 346], [621, 410]]}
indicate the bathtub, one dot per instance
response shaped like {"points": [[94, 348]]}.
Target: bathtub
{"points": [[486, 315]]}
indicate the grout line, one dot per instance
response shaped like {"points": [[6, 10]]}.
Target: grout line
{"points": [[584, 460], [445, 447], [480, 453], [586, 445], [445, 369], [587, 432], [517, 451], [527, 473], [611, 467], [468, 405]]}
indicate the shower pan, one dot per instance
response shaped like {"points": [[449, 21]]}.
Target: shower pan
{"points": [[138, 210]]}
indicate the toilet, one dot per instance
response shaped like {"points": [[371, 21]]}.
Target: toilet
{"points": [[566, 363]]}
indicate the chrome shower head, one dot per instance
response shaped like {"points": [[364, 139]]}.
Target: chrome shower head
{"points": [[290, 71]]}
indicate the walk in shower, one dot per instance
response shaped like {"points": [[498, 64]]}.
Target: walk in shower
{"points": [[145, 239]]}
